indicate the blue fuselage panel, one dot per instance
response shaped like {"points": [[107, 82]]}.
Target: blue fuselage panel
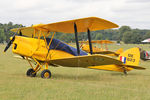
{"points": [[58, 45]]}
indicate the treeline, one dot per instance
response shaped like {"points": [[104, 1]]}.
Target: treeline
{"points": [[124, 33], [5, 31]]}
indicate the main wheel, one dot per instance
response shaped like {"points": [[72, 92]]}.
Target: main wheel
{"points": [[31, 72], [46, 74]]}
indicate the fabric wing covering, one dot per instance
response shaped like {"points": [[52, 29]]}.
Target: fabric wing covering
{"points": [[91, 23], [58, 45]]}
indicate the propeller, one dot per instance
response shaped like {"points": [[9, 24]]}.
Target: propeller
{"points": [[12, 39]]}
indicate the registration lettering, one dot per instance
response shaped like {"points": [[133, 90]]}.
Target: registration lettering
{"points": [[130, 58]]}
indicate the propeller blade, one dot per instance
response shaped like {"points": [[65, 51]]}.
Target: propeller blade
{"points": [[12, 40], [8, 45]]}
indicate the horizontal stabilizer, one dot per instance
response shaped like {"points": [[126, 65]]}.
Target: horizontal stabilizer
{"points": [[134, 67], [118, 68]]}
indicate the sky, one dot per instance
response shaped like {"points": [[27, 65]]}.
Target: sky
{"points": [[133, 13]]}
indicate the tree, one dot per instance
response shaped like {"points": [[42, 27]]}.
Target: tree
{"points": [[2, 36], [122, 30], [99, 36], [127, 37], [132, 37], [147, 35]]}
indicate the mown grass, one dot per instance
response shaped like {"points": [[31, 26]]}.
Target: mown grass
{"points": [[72, 83]]}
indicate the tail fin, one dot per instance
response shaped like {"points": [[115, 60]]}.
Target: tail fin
{"points": [[119, 51], [130, 57]]}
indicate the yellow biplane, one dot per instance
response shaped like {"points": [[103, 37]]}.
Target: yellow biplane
{"points": [[37, 43], [102, 50]]}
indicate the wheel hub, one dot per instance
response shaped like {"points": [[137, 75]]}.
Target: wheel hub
{"points": [[46, 75]]}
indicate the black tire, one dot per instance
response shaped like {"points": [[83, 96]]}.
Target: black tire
{"points": [[46, 74], [31, 72]]}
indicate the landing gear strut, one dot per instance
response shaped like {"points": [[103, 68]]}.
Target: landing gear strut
{"points": [[33, 70]]}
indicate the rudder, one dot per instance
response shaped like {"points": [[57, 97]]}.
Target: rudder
{"points": [[130, 56]]}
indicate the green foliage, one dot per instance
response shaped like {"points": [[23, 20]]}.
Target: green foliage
{"points": [[99, 36], [127, 37], [122, 30], [124, 33], [2, 36], [134, 36], [5, 31], [147, 35], [118, 42]]}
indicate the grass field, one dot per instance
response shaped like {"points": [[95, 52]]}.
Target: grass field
{"points": [[72, 83]]}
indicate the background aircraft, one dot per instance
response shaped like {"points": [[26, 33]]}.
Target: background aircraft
{"points": [[33, 43], [103, 47], [145, 55]]}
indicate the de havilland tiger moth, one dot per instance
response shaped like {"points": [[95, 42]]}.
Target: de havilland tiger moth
{"points": [[37, 43]]}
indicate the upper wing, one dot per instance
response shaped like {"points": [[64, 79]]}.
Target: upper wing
{"points": [[85, 61], [29, 31], [91, 23]]}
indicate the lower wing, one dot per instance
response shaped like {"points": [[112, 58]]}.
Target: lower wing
{"points": [[86, 61]]}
